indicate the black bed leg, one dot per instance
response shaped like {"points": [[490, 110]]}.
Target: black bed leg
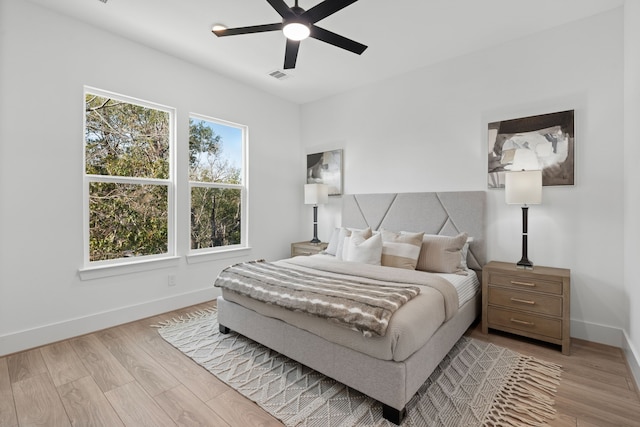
{"points": [[392, 414], [223, 329]]}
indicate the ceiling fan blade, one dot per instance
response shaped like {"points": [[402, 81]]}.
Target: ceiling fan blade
{"points": [[291, 54], [248, 30], [326, 8], [337, 40], [281, 7]]}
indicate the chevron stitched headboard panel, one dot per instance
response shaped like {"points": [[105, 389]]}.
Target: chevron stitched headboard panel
{"points": [[446, 213]]}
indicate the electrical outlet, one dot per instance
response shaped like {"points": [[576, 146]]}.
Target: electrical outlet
{"points": [[172, 280]]}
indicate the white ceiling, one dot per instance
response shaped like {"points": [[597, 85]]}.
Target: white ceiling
{"points": [[402, 35]]}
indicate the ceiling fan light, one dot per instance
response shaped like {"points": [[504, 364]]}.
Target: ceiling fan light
{"points": [[296, 31]]}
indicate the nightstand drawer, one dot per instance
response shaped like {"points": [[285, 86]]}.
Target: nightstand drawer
{"points": [[303, 251], [529, 323], [539, 284], [529, 301], [307, 248]]}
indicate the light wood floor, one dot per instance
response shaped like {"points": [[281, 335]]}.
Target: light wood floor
{"points": [[130, 376]]}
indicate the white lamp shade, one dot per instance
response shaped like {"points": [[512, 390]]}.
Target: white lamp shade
{"points": [[316, 194], [523, 187]]}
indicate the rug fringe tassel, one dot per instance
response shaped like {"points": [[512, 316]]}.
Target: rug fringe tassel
{"points": [[524, 398], [199, 314]]}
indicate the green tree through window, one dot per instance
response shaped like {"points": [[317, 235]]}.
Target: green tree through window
{"points": [[216, 153], [127, 174]]}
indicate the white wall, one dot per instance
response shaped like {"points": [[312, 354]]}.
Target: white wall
{"points": [[45, 61], [427, 130], [632, 176], [423, 131]]}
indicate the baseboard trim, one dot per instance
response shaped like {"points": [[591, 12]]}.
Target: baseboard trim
{"points": [[609, 336], [633, 359], [36, 337], [597, 333]]}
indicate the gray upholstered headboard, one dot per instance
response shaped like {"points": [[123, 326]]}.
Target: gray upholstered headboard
{"points": [[446, 213]]}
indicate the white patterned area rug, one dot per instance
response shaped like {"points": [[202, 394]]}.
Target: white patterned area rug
{"points": [[477, 383]]}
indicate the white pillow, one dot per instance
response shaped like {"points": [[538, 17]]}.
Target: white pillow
{"points": [[464, 252], [344, 234], [360, 249], [332, 247]]}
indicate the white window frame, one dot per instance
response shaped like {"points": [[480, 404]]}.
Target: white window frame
{"points": [[94, 269], [243, 187]]}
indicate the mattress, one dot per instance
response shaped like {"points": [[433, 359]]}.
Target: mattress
{"points": [[409, 329], [467, 286]]}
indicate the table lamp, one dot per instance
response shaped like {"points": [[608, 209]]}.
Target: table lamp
{"points": [[524, 188], [315, 194]]}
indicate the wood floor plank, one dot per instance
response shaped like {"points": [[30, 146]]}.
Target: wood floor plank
{"points": [[63, 363], [154, 378], [187, 410], [105, 369], [596, 362], [562, 420], [589, 415], [86, 405], [8, 417], [582, 423], [616, 389], [590, 371], [136, 408], [597, 387], [238, 411], [38, 402], [25, 365], [197, 379], [626, 412]]}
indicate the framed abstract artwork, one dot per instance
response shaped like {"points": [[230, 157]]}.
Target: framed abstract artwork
{"points": [[545, 142], [326, 168]]}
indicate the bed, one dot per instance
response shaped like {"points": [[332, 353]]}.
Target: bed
{"points": [[385, 367]]}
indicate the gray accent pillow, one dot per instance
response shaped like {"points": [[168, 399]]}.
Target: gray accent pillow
{"points": [[442, 254]]}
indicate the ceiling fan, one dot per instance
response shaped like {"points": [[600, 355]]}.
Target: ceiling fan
{"points": [[298, 24]]}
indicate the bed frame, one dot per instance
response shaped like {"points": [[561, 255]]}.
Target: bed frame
{"points": [[391, 383]]}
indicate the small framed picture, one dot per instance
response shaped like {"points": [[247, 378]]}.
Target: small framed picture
{"points": [[326, 168]]}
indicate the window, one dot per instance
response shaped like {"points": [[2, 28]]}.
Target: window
{"points": [[217, 184], [128, 178]]}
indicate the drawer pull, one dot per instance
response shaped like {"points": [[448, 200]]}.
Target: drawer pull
{"points": [[515, 282], [522, 322], [523, 301]]}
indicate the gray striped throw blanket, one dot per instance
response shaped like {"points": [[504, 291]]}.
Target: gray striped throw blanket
{"points": [[361, 306]]}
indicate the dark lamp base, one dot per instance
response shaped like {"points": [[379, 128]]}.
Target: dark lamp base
{"points": [[315, 240], [525, 264]]}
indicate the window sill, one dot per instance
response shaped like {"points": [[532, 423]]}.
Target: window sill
{"points": [[206, 256], [98, 272]]}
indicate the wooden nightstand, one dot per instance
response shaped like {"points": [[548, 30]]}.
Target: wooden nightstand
{"points": [[532, 303], [307, 248]]}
